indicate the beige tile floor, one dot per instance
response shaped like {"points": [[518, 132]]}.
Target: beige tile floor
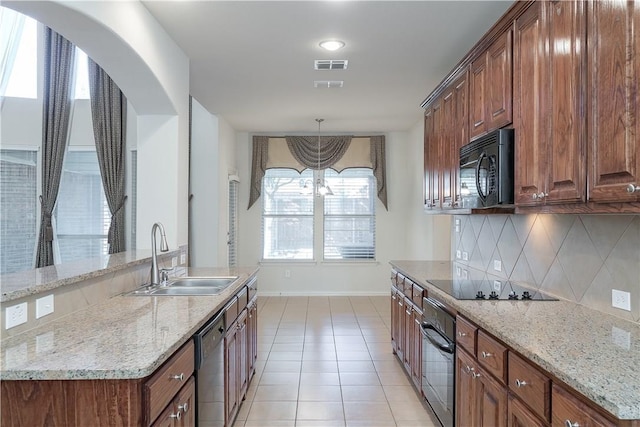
{"points": [[327, 361]]}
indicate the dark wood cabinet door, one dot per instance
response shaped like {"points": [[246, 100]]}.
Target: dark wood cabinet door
{"points": [[466, 407], [498, 83], [520, 416], [416, 355], [460, 130], [429, 160], [614, 116], [252, 325], [434, 150], [492, 401], [243, 355], [185, 402], [568, 410], [395, 325], [477, 97], [529, 107], [408, 336], [447, 142], [566, 169], [230, 373]]}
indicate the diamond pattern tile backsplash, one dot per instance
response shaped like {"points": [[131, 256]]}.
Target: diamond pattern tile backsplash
{"points": [[579, 258]]}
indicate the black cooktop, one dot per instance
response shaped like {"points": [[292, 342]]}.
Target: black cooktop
{"points": [[489, 290]]}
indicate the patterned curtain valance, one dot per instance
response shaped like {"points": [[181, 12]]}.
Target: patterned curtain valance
{"points": [[301, 152]]}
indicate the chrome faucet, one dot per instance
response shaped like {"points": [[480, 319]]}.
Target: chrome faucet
{"points": [[155, 272]]}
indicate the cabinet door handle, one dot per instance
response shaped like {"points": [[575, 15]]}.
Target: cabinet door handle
{"points": [[633, 188], [408, 312], [177, 415], [178, 377], [568, 423], [184, 407], [521, 383], [485, 354]]}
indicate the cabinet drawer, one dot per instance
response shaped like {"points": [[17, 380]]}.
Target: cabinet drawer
{"points": [[253, 289], [492, 355], [568, 410], [530, 385], [242, 299], [466, 335], [163, 385], [408, 288], [231, 312]]}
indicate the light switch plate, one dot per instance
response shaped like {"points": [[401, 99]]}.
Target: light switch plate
{"points": [[465, 256], [174, 262], [44, 306], [458, 254], [497, 265], [183, 259]]}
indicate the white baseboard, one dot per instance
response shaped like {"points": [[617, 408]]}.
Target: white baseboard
{"points": [[323, 294]]}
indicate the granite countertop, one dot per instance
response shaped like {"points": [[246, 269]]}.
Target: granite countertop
{"points": [[595, 353], [32, 282], [124, 337]]}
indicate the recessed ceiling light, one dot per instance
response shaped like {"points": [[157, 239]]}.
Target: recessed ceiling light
{"points": [[332, 44]]}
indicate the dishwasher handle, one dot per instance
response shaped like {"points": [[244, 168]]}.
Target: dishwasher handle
{"points": [[437, 339]]}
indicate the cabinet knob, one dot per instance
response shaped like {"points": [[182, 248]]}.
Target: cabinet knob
{"points": [[633, 188], [486, 354], [568, 423], [177, 416], [184, 407], [178, 377], [462, 334], [468, 369], [520, 383], [475, 375]]}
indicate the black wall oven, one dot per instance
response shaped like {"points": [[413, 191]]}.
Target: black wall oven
{"points": [[486, 170], [438, 360]]}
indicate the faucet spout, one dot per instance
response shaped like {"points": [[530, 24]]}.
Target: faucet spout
{"points": [[164, 247]]}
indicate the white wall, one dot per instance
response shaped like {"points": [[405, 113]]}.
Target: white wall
{"points": [[352, 278]]}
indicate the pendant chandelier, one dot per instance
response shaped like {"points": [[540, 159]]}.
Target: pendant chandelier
{"points": [[321, 188]]}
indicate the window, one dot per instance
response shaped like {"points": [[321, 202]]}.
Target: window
{"points": [[18, 46], [347, 217], [18, 209], [82, 214], [81, 88], [232, 234], [287, 220]]}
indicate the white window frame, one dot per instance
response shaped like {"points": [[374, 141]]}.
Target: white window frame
{"points": [[318, 245]]}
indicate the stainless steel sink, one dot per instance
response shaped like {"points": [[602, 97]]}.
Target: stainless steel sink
{"points": [[188, 286]]}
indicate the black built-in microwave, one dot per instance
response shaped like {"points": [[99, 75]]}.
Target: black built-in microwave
{"points": [[486, 170]]}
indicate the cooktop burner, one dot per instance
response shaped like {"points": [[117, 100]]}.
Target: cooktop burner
{"points": [[489, 290]]}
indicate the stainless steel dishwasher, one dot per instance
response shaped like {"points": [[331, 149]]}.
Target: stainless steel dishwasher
{"points": [[209, 365]]}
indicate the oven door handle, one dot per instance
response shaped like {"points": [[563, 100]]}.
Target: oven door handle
{"points": [[448, 348], [482, 196]]}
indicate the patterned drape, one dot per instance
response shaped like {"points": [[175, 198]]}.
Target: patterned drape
{"points": [[302, 152], [109, 117], [59, 60]]}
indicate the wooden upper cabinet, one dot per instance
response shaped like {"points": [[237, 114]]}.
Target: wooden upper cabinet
{"points": [[490, 88], [460, 130], [428, 160], [614, 116], [549, 104], [447, 145]]}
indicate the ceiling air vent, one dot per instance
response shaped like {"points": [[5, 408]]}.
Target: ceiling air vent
{"points": [[331, 64], [327, 84]]}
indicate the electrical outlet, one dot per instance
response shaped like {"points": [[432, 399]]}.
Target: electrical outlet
{"points": [[174, 262], [497, 285], [287, 274], [465, 256], [44, 306], [15, 315], [497, 265], [183, 259], [457, 225], [458, 254], [621, 299]]}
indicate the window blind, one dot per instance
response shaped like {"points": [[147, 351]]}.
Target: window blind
{"points": [[349, 215], [287, 219], [232, 242], [18, 209]]}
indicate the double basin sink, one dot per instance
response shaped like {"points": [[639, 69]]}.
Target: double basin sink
{"points": [[187, 286]]}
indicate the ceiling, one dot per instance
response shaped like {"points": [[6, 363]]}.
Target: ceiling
{"points": [[252, 62]]}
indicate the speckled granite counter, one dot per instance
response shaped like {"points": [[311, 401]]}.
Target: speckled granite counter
{"points": [[31, 282], [125, 337], [597, 354]]}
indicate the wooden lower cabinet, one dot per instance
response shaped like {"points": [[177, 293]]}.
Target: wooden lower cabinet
{"points": [[231, 386], [182, 411], [415, 361], [492, 401], [567, 410], [465, 390], [520, 416], [252, 332]]}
